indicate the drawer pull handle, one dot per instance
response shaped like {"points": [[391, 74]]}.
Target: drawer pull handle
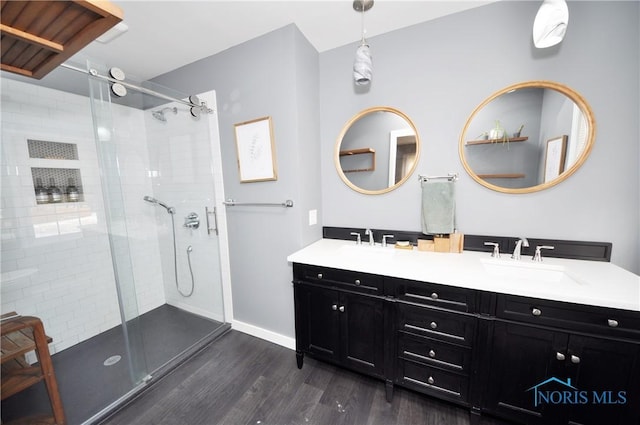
{"points": [[612, 323], [560, 356], [319, 275], [433, 325], [434, 295], [357, 282], [536, 312], [430, 380], [341, 308], [334, 307], [432, 353], [575, 359]]}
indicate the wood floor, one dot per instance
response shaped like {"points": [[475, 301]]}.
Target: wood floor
{"points": [[240, 379]]}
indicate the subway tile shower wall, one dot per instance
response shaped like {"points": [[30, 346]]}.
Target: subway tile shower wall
{"points": [[56, 262]]}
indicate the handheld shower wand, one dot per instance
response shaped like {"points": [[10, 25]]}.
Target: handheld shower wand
{"points": [[152, 200]]}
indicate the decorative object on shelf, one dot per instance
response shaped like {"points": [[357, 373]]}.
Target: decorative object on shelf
{"points": [[551, 23], [55, 194], [73, 195], [42, 195], [519, 132], [256, 150], [498, 133], [363, 65], [555, 155]]}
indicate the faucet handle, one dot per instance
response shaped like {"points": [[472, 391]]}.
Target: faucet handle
{"points": [[384, 239], [358, 240], [496, 248], [537, 256]]}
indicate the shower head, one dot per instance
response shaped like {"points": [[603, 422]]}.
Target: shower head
{"points": [[152, 200], [159, 114]]}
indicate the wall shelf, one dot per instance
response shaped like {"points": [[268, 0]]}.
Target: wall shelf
{"points": [[491, 141], [362, 151]]}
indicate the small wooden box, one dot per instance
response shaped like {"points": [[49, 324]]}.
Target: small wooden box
{"points": [[426, 245]]}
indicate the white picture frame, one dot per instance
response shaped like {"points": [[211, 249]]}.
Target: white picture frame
{"points": [[256, 150]]}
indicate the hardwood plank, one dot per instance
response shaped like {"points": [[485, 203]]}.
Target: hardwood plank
{"points": [[240, 379]]}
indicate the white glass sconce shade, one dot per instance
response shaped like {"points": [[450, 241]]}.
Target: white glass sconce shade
{"points": [[551, 23]]}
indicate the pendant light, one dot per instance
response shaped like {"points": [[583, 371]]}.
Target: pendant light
{"points": [[362, 66]]}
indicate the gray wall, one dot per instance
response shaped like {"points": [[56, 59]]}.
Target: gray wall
{"points": [[438, 72], [275, 75]]}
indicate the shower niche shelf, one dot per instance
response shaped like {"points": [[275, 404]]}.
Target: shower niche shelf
{"points": [[56, 164]]}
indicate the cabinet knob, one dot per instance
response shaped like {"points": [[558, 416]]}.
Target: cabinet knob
{"points": [[432, 353], [560, 356], [575, 359], [430, 380], [341, 308], [612, 323], [536, 311], [433, 325], [434, 295], [319, 275], [334, 307], [357, 282]]}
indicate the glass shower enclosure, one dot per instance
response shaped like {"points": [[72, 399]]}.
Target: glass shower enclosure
{"points": [[138, 212]]}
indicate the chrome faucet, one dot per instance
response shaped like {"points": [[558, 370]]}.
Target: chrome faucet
{"points": [[357, 235], [519, 244], [370, 233]]}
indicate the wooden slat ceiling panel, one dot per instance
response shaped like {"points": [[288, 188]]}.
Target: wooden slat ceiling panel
{"points": [[40, 35]]}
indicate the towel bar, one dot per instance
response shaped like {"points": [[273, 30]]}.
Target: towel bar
{"points": [[232, 203], [451, 177]]}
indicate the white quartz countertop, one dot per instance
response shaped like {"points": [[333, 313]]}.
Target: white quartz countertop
{"points": [[584, 282]]}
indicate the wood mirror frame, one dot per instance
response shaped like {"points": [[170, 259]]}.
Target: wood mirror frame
{"points": [[370, 155], [578, 101]]}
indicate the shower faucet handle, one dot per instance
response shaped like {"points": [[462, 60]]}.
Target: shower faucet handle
{"points": [[192, 221]]}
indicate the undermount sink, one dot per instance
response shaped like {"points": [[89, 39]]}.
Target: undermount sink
{"points": [[527, 270], [366, 252]]}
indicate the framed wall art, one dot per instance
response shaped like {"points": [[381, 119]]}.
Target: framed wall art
{"points": [[554, 157], [256, 150]]}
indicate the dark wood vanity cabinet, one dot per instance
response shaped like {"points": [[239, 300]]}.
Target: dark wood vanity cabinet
{"points": [[540, 374], [337, 319], [485, 351]]}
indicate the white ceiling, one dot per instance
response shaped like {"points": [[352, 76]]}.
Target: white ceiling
{"points": [[165, 35]]}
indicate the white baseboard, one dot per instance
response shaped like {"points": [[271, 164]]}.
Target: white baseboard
{"points": [[265, 334]]}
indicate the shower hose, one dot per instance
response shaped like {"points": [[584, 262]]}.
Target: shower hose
{"points": [[175, 261]]}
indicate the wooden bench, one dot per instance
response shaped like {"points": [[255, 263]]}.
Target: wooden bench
{"points": [[20, 335]]}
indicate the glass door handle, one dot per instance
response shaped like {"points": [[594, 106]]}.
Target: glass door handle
{"points": [[215, 220]]}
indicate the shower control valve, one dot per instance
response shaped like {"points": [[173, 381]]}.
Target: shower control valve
{"points": [[192, 221]]}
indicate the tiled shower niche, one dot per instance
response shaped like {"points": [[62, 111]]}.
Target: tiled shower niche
{"points": [[67, 180]]}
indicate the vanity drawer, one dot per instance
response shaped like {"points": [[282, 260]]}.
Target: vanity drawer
{"points": [[345, 279], [442, 296], [431, 380], [433, 352], [443, 325], [580, 317]]}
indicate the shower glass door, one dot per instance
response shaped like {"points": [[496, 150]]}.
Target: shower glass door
{"points": [[155, 157]]}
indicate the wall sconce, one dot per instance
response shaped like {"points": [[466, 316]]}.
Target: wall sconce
{"points": [[362, 66], [551, 23]]}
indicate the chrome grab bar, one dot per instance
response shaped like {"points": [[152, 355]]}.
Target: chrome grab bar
{"points": [[232, 203]]}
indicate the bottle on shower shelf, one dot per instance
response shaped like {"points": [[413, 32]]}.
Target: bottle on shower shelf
{"points": [[72, 191], [55, 194], [42, 196]]}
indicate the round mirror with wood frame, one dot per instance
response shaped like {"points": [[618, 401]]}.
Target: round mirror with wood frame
{"points": [[527, 137], [377, 150]]}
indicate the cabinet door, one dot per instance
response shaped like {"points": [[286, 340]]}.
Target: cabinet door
{"points": [[362, 333], [522, 357], [318, 330], [607, 372]]}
